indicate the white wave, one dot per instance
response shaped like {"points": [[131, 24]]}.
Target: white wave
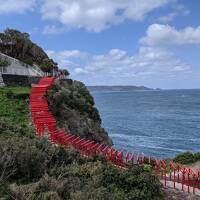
{"points": [[129, 137], [164, 148]]}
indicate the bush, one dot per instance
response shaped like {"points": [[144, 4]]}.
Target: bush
{"points": [[187, 158], [197, 156], [4, 63], [52, 172], [137, 183], [27, 160], [29, 61]]}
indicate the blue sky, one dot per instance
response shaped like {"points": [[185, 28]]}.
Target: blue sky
{"points": [[155, 43]]}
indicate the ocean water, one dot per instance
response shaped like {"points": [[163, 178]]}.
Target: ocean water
{"points": [[157, 123]]}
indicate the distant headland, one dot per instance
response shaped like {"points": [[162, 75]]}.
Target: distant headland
{"points": [[118, 88]]}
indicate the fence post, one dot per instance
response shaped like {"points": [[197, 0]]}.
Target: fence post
{"points": [[132, 157], [183, 179], [142, 158], [165, 176], [127, 156], [174, 178], [178, 172], [189, 180], [138, 158], [156, 167]]}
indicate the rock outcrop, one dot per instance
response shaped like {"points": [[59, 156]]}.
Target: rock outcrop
{"points": [[73, 107]]}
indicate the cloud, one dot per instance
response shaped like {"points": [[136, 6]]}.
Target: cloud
{"points": [[178, 10], [165, 35], [97, 15], [67, 54], [16, 6], [80, 71], [69, 59], [53, 30], [117, 64], [169, 17]]}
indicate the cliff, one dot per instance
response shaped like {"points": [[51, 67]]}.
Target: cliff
{"points": [[73, 107]]}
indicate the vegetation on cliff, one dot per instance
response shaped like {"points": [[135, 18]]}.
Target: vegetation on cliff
{"points": [[4, 63], [73, 107], [31, 168], [187, 158], [19, 45]]}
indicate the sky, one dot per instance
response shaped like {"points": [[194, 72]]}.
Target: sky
{"points": [[155, 43]]}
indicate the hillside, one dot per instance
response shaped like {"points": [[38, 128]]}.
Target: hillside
{"points": [[31, 168]]}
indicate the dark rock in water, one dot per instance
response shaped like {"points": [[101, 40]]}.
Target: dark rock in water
{"points": [[73, 107]]}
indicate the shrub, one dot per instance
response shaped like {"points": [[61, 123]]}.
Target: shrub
{"points": [[184, 158], [197, 156], [28, 61], [62, 174], [27, 160], [4, 63]]}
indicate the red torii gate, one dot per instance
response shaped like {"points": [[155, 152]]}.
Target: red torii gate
{"points": [[45, 122]]}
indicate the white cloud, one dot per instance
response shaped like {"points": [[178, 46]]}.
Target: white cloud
{"points": [[116, 64], [68, 59], [97, 15], [67, 54], [178, 10], [165, 35], [80, 71], [169, 17], [16, 6], [53, 30]]}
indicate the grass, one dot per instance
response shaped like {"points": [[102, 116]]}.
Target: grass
{"points": [[19, 90], [14, 110]]}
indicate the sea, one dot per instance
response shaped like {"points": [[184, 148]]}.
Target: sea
{"points": [[158, 123]]}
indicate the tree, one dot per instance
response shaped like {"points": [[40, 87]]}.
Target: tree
{"points": [[47, 65], [65, 72], [4, 63]]}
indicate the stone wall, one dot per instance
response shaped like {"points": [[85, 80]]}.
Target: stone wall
{"points": [[19, 80], [19, 68], [1, 81]]}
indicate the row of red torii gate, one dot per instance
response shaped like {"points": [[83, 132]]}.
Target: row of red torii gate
{"points": [[171, 174]]}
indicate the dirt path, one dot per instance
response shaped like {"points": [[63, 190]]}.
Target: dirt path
{"points": [[178, 194], [175, 194]]}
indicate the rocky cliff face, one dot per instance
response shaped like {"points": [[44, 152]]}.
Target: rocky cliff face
{"points": [[73, 107]]}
